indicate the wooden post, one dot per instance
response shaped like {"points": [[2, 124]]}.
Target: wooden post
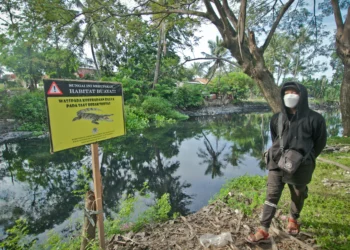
{"points": [[98, 194], [89, 229]]}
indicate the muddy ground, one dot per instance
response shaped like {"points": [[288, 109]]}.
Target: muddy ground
{"points": [[217, 219]]}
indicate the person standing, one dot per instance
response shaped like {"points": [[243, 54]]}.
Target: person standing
{"points": [[303, 130]]}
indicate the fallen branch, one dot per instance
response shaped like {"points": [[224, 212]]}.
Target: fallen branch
{"points": [[281, 233], [239, 223], [188, 224], [334, 163], [129, 239], [273, 244]]}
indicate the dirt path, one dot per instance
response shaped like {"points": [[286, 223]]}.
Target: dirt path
{"points": [[216, 219]]}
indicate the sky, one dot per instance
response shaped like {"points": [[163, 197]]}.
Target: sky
{"points": [[209, 32]]}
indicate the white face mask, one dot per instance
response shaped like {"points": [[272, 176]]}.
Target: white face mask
{"points": [[291, 100]]}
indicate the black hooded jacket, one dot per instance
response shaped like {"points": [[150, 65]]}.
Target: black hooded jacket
{"points": [[304, 131]]}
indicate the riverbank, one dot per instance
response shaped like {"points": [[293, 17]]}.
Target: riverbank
{"points": [[234, 213], [246, 107], [8, 127]]}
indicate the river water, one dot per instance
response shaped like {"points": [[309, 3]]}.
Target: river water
{"points": [[190, 160]]}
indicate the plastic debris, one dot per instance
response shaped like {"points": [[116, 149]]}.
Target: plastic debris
{"points": [[220, 240]]}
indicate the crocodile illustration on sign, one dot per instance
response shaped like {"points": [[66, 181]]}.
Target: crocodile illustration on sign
{"points": [[86, 114]]}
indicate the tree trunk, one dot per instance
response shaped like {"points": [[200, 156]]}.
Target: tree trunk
{"points": [[89, 230], [31, 85], [251, 59], [342, 44], [270, 90], [345, 101], [159, 53], [254, 66], [95, 61]]}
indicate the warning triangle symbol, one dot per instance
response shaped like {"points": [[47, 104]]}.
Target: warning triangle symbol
{"points": [[54, 89]]}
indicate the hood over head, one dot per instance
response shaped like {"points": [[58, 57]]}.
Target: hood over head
{"points": [[303, 104]]}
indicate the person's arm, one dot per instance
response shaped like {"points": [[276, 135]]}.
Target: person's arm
{"points": [[319, 136], [273, 127]]}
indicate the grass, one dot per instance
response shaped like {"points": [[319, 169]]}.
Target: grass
{"points": [[326, 210]]}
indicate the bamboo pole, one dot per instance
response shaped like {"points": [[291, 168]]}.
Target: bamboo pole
{"points": [[98, 194]]}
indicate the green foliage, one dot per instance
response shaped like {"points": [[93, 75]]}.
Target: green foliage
{"points": [[60, 63], [322, 89], [5, 106], [245, 190], [30, 110], [135, 118], [160, 106], [13, 84], [17, 237], [188, 96], [338, 140], [156, 213], [133, 90], [83, 180], [56, 241], [156, 105], [235, 84], [164, 89]]}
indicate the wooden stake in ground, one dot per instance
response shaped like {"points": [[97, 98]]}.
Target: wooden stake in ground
{"points": [[98, 194], [89, 228]]}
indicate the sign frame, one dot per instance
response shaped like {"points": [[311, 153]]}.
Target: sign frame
{"points": [[96, 104]]}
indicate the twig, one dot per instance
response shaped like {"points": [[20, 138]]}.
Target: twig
{"points": [[233, 247], [239, 223], [273, 243], [127, 238], [186, 222], [279, 232]]}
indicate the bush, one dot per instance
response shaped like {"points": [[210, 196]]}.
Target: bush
{"points": [[236, 84], [156, 105], [132, 89], [135, 118], [189, 96], [13, 84], [29, 109], [159, 106]]}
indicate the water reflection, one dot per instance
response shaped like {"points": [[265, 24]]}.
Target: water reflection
{"points": [[190, 160]]}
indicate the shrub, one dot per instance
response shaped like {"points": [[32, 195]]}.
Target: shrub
{"points": [[189, 96], [135, 118], [13, 84], [29, 109], [236, 84], [159, 106], [156, 105], [133, 89]]}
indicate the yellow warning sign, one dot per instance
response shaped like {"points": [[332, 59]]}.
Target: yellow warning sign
{"points": [[85, 113]]}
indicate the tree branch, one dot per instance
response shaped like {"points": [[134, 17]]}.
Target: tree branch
{"points": [[241, 20], [275, 24], [173, 11], [223, 16], [211, 58], [337, 15], [230, 15], [211, 12]]}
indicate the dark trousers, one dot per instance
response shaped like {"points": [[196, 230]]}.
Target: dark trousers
{"points": [[275, 185]]}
